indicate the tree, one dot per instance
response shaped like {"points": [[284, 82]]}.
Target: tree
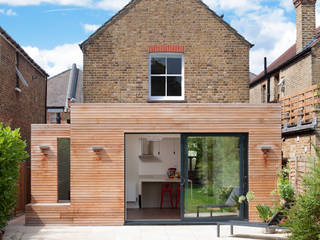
{"points": [[12, 152]]}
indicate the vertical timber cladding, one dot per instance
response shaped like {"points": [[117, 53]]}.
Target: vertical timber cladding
{"points": [[97, 183]]}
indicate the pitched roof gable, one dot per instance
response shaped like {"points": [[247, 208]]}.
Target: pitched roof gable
{"points": [[284, 58], [132, 3], [20, 49]]}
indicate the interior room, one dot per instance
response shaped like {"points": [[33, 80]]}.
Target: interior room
{"points": [[208, 185], [152, 176]]}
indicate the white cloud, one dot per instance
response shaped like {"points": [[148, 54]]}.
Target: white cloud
{"points": [[111, 4], [37, 2], [89, 28], [58, 59], [287, 5], [8, 12], [238, 7], [318, 13]]}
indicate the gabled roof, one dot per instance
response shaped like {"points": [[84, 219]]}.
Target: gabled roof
{"points": [[132, 3], [286, 57], [18, 47], [58, 88]]}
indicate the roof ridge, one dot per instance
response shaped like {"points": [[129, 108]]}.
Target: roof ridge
{"points": [[133, 2], [287, 55], [10, 39], [54, 76]]}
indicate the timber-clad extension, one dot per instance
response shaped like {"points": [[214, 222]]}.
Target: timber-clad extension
{"points": [[97, 184]]}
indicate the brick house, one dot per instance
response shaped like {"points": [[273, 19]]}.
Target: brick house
{"points": [[23, 100], [166, 116], [63, 89], [294, 79], [216, 57]]}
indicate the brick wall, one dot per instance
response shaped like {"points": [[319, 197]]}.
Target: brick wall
{"points": [[298, 76], [299, 152], [316, 64], [19, 110], [216, 59], [305, 18]]}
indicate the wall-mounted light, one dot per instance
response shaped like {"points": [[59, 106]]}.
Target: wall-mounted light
{"points": [[265, 149], [45, 151], [97, 150]]}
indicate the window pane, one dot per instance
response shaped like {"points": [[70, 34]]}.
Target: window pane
{"points": [[63, 169], [215, 180], [174, 86], [174, 65], [158, 86], [158, 65]]}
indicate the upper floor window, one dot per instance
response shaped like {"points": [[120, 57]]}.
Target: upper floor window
{"points": [[166, 76]]}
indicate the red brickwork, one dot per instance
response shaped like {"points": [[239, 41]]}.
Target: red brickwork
{"points": [[166, 48], [21, 109]]}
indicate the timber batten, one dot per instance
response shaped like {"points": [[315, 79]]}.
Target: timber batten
{"points": [[97, 185]]}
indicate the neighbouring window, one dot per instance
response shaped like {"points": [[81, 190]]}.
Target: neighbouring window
{"points": [[263, 93], [276, 88], [283, 86], [63, 169], [166, 77]]}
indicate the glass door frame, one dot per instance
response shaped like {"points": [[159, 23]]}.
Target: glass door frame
{"points": [[244, 139]]}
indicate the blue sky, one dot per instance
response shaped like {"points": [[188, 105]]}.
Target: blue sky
{"points": [[50, 30]]}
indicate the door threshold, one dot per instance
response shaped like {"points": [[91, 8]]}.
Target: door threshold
{"points": [[167, 222]]}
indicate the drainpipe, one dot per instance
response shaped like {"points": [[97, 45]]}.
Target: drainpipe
{"points": [[296, 173], [267, 76], [46, 101]]}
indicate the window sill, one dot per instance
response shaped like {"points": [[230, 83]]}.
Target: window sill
{"points": [[167, 101]]}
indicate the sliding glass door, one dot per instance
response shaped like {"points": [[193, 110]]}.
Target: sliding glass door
{"points": [[214, 176]]}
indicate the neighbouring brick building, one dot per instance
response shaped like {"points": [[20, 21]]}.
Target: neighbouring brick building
{"points": [[116, 56], [63, 89], [294, 78], [22, 100]]}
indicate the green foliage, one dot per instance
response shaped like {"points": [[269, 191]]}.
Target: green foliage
{"points": [[304, 217], [224, 192], [285, 189], [12, 152], [265, 212]]}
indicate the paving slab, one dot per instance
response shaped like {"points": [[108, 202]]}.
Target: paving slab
{"points": [[16, 230]]}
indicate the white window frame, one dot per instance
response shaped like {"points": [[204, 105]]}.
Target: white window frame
{"points": [[167, 98]]}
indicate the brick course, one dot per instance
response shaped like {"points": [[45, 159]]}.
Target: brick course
{"points": [[216, 58]]}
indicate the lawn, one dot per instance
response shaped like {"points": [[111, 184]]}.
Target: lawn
{"points": [[198, 196]]}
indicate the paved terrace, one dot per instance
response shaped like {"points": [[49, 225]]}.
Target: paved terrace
{"points": [[16, 230]]}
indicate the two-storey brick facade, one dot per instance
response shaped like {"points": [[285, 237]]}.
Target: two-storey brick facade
{"points": [[21, 105], [216, 57]]}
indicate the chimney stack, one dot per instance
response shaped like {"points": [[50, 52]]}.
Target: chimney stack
{"points": [[306, 22]]}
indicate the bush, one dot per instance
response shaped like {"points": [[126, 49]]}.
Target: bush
{"points": [[12, 152], [304, 217], [285, 189], [265, 212]]}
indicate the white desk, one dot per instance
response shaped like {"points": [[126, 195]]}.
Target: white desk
{"points": [[158, 179]]}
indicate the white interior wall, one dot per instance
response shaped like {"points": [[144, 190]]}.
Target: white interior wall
{"points": [[135, 167]]}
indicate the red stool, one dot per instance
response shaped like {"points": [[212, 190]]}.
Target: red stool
{"points": [[166, 187], [178, 197]]}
